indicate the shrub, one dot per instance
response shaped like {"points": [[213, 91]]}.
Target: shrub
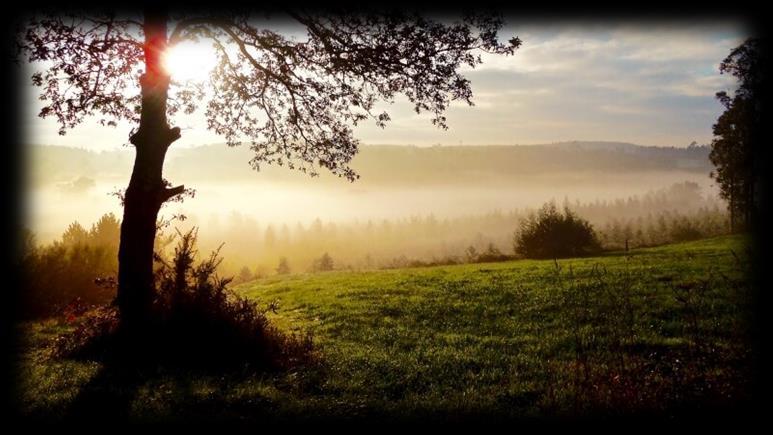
{"points": [[551, 234], [491, 254], [197, 322], [685, 231]]}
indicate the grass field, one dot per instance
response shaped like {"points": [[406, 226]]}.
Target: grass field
{"points": [[657, 330]]}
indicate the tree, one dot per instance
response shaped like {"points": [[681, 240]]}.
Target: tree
{"points": [[75, 235], [471, 253], [106, 231], [269, 239], [294, 102], [737, 145], [284, 266], [245, 274], [323, 263]]}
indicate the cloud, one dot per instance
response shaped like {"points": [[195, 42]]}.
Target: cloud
{"points": [[625, 109], [658, 81], [642, 83]]}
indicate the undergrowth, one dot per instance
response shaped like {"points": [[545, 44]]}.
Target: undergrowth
{"points": [[196, 322]]}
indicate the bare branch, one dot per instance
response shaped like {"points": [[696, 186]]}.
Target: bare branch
{"points": [[168, 193]]}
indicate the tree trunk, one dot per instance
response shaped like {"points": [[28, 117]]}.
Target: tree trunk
{"points": [[752, 201], [749, 201], [146, 191]]}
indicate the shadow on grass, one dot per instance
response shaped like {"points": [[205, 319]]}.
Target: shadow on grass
{"points": [[108, 396], [151, 392]]}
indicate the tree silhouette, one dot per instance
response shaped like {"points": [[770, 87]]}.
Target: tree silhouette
{"points": [[323, 263], [736, 148], [284, 266], [75, 235], [294, 102]]}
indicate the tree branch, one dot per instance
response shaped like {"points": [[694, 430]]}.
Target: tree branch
{"points": [[181, 26], [166, 194]]}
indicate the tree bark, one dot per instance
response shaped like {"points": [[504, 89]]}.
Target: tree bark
{"points": [[146, 191]]}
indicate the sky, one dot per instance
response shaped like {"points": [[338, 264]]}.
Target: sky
{"points": [[649, 83]]}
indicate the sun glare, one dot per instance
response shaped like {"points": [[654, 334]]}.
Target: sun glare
{"points": [[189, 61]]}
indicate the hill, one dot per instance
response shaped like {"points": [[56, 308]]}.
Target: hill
{"points": [[386, 164]]}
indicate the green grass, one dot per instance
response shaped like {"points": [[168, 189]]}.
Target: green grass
{"points": [[659, 329]]}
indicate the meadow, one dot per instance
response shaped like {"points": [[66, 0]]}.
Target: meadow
{"points": [[660, 331]]}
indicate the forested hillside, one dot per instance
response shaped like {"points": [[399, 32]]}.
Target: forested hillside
{"points": [[385, 164]]}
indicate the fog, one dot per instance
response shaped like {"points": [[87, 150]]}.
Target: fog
{"points": [[51, 209], [409, 202]]}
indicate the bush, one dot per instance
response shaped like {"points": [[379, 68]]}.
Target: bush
{"points": [[66, 270], [196, 322], [552, 234], [491, 254], [685, 231]]}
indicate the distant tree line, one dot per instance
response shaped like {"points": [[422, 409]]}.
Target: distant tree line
{"points": [[386, 165], [675, 213], [655, 229]]}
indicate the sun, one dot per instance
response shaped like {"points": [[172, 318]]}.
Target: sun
{"points": [[189, 61]]}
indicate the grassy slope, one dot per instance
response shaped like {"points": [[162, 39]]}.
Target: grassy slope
{"points": [[499, 338]]}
